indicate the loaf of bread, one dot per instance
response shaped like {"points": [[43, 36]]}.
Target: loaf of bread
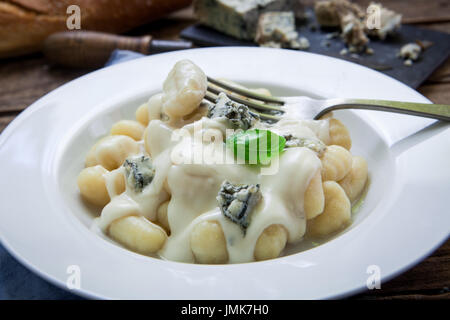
{"points": [[24, 24]]}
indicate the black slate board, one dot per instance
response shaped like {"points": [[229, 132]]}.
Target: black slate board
{"points": [[384, 59]]}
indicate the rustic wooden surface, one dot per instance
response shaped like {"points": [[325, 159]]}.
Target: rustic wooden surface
{"points": [[25, 79]]}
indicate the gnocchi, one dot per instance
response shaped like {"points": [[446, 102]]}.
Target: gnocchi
{"points": [[335, 216], [336, 163], [154, 107], [163, 219], [92, 185], [130, 128], [355, 181], [314, 198], [271, 242], [111, 151], [157, 200], [183, 89], [138, 234], [142, 114], [208, 243], [339, 134]]}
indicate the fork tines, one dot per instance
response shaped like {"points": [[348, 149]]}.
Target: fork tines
{"points": [[244, 92], [247, 97]]}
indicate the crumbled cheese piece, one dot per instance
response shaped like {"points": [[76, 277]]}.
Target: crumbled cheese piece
{"points": [[236, 115], [277, 27], [304, 43], [237, 202], [329, 13], [388, 21], [353, 33], [408, 62], [346, 15], [410, 51]]}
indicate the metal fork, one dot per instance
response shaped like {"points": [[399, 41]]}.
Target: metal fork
{"points": [[271, 108]]}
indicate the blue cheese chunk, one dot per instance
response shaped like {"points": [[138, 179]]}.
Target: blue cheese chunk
{"points": [[236, 115], [139, 172], [237, 201], [237, 18], [277, 29]]}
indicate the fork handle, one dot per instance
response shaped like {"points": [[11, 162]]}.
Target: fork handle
{"points": [[428, 110]]}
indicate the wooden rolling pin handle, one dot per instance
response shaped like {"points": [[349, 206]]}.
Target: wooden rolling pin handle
{"points": [[88, 49]]}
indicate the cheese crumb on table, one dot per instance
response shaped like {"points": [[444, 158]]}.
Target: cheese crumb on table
{"points": [[410, 52], [304, 43]]}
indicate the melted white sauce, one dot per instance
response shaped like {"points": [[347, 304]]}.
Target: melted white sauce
{"points": [[194, 187]]}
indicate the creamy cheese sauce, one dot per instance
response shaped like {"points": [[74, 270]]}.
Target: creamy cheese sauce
{"points": [[192, 187]]}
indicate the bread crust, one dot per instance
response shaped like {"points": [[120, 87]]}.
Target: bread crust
{"points": [[24, 24]]}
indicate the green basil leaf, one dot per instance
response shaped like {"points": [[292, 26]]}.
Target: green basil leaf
{"points": [[256, 146]]}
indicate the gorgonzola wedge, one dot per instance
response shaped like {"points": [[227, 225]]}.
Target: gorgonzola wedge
{"points": [[238, 18]]}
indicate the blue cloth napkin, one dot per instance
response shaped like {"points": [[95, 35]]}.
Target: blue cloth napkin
{"points": [[16, 281]]}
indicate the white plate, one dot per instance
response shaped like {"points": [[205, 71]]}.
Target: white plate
{"points": [[44, 224]]}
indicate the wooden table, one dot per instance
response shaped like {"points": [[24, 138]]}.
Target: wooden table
{"points": [[25, 79]]}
